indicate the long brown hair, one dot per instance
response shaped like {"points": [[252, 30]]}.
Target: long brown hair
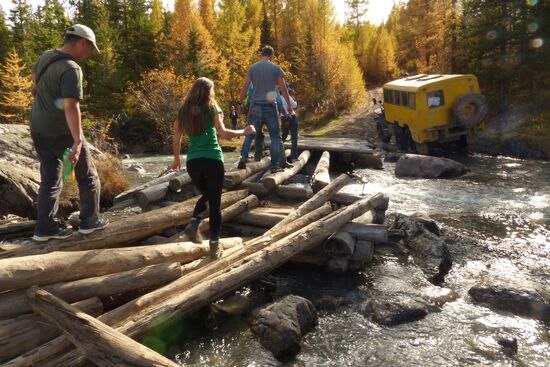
{"points": [[197, 106]]}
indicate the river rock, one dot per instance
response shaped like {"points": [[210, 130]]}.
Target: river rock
{"points": [[327, 302], [392, 157], [422, 166], [368, 161], [281, 325], [522, 300], [136, 168], [396, 312]]}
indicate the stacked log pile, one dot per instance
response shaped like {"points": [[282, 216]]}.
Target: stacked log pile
{"points": [[61, 286]]}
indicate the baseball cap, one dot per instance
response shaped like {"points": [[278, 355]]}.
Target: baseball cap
{"points": [[83, 31]]}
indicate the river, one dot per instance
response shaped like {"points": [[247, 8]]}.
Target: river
{"points": [[498, 216]]}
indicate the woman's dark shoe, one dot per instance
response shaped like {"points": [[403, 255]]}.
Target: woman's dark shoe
{"points": [[191, 231], [215, 252]]}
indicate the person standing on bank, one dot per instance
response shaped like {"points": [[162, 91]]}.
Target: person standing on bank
{"points": [[201, 119], [265, 76], [56, 124], [233, 117]]}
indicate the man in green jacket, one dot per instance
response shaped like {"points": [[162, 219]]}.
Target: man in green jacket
{"points": [[55, 126]]}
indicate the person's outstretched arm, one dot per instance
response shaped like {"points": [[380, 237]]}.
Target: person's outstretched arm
{"points": [[176, 146], [224, 133]]}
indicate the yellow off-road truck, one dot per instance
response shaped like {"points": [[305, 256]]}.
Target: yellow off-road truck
{"points": [[425, 111]]}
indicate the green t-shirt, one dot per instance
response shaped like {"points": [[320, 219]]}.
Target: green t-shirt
{"points": [[206, 144], [61, 79]]}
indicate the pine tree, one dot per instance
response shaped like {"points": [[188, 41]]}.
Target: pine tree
{"points": [[15, 96], [158, 27], [206, 10], [265, 37], [358, 9], [5, 40], [22, 20], [49, 28]]}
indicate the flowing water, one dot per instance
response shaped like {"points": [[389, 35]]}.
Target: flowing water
{"points": [[497, 220]]}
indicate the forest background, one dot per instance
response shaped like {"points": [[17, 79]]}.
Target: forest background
{"points": [[150, 56]]}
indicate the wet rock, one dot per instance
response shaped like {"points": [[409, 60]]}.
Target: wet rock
{"points": [[439, 296], [337, 265], [18, 189], [396, 312], [421, 166], [126, 156], [522, 300], [74, 219], [392, 157], [281, 325], [368, 161], [509, 346], [327, 302], [136, 168]]}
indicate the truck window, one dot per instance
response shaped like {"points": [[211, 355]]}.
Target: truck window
{"points": [[386, 96], [405, 99], [435, 99], [412, 100], [397, 97]]}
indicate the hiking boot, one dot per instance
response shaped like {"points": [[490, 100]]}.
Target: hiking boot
{"points": [[215, 251], [100, 223], [191, 231], [276, 169], [61, 233], [242, 163]]}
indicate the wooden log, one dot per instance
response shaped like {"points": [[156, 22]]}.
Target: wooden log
{"points": [[124, 204], [151, 195], [293, 192], [344, 198], [23, 333], [275, 179], [15, 303], [364, 252], [316, 201], [315, 256], [125, 231], [257, 219], [233, 178], [129, 194], [321, 177], [376, 233], [243, 230], [250, 202], [119, 315], [57, 266], [194, 265], [8, 230], [103, 345], [177, 183], [340, 245]]}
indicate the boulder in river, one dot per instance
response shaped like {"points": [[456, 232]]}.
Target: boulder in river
{"points": [[396, 312], [422, 166], [522, 300], [281, 325]]}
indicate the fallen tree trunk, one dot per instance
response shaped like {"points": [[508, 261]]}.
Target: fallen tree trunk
{"points": [[9, 230], [152, 194], [243, 230], [129, 194], [120, 314], [321, 177], [253, 218], [177, 183], [103, 345], [376, 233], [26, 332], [15, 303], [125, 231], [275, 179], [316, 201], [57, 266], [340, 245], [233, 178]]}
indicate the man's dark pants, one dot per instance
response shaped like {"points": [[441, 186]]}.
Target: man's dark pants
{"points": [[50, 152]]}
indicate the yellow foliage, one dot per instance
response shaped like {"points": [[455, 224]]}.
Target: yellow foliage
{"points": [[15, 92]]}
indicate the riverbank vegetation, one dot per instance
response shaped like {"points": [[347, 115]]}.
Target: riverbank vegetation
{"points": [[151, 55]]}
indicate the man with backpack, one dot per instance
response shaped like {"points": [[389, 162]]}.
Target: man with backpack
{"points": [[56, 124]]}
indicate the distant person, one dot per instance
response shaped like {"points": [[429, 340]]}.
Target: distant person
{"points": [[201, 119], [56, 125], [290, 124], [233, 117], [265, 76]]}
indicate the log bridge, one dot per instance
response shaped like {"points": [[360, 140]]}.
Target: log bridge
{"points": [[51, 294]]}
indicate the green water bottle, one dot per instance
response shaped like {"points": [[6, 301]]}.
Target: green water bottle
{"points": [[68, 166]]}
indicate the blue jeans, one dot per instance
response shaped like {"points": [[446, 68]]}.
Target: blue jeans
{"points": [[291, 124], [264, 113]]}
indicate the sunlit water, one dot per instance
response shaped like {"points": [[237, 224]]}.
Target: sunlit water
{"points": [[498, 219]]}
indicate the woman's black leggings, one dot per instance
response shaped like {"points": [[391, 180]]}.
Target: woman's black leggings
{"points": [[207, 175]]}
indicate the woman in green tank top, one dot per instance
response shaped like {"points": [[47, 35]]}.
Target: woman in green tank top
{"points": [[201, 119]]}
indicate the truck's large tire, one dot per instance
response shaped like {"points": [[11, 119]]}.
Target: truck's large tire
{"points": [[470, 109]]}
